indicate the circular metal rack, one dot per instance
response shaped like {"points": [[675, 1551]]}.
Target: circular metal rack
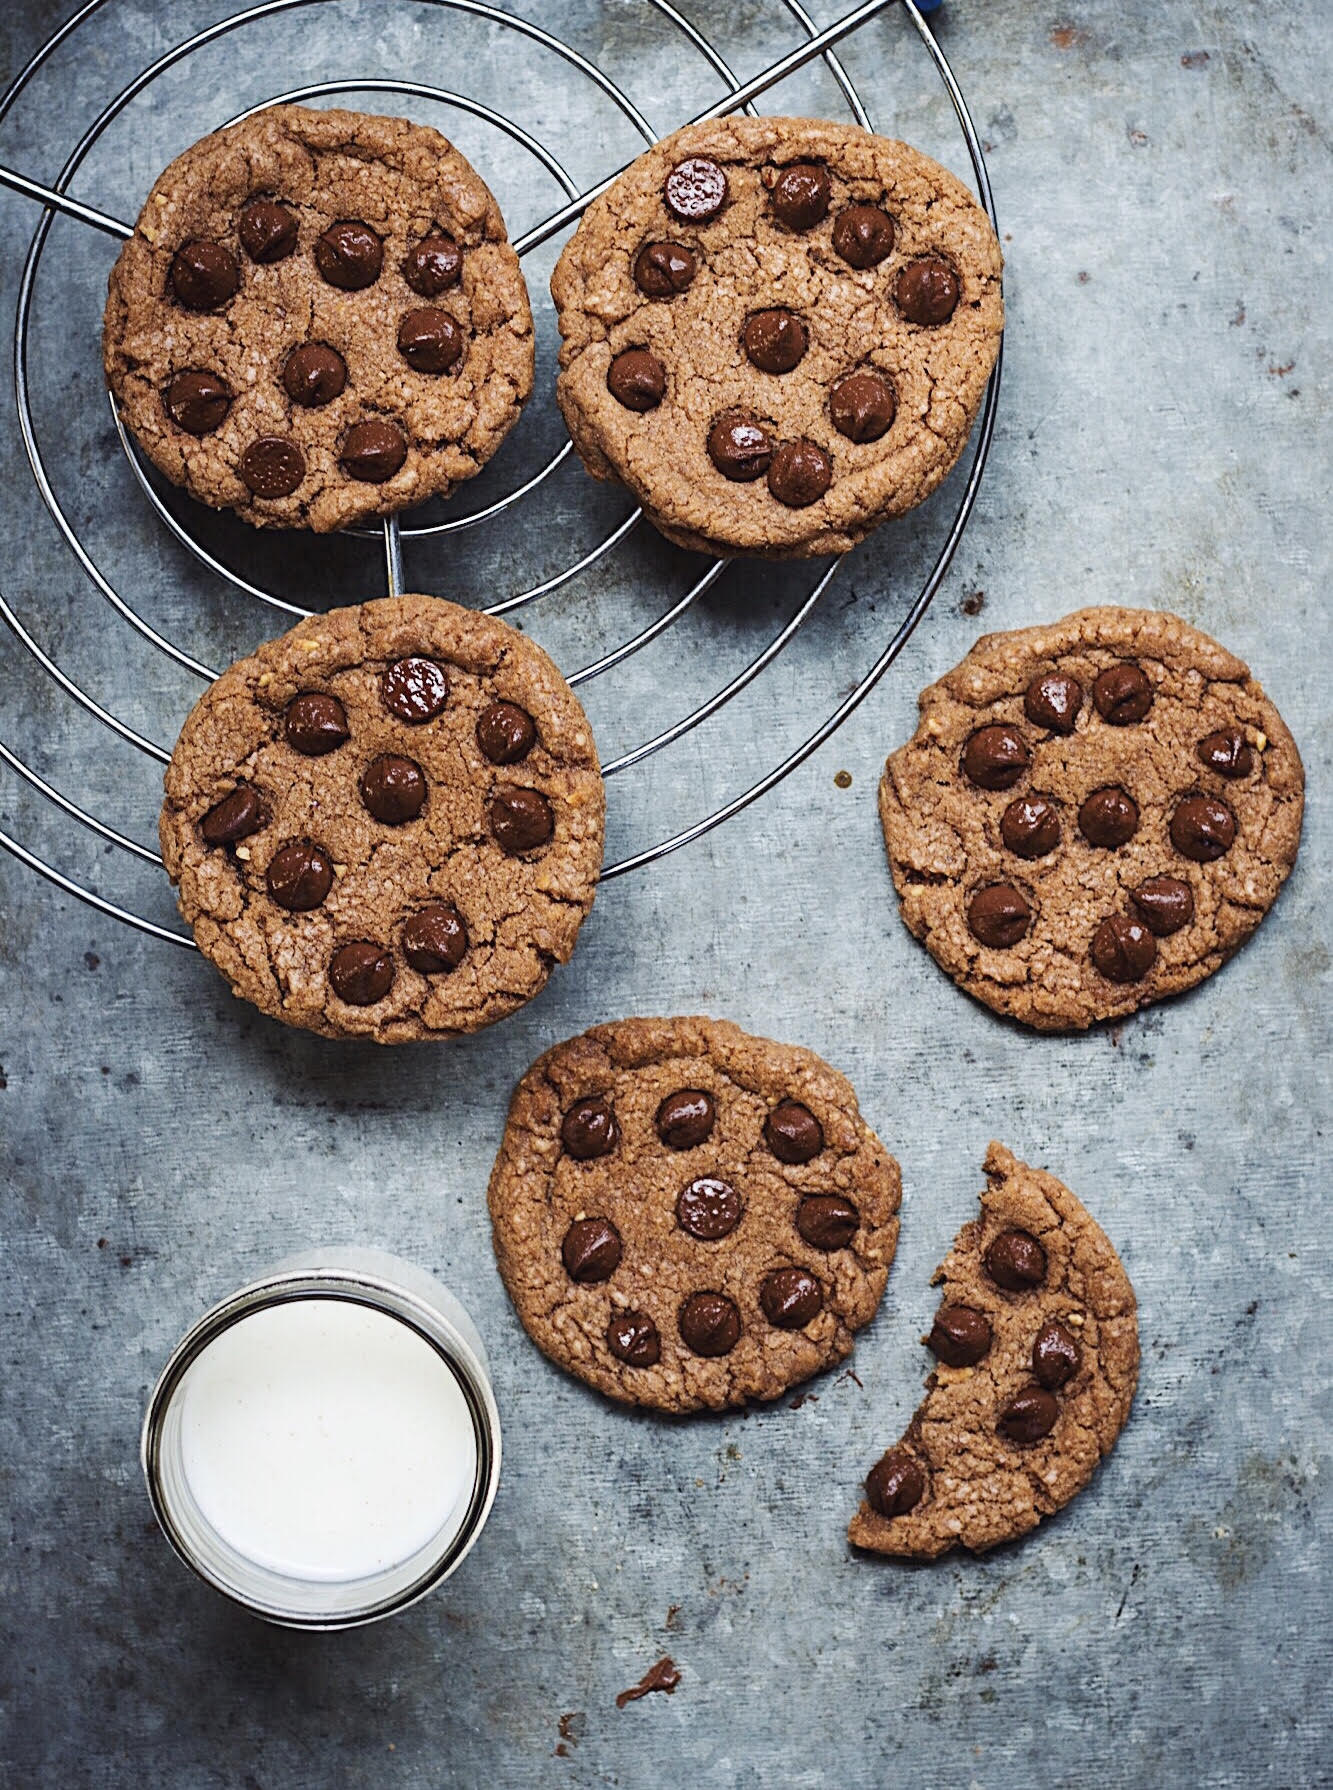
{"points": [[509, 28]]}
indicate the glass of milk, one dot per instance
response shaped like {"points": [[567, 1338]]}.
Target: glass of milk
{"points": [[324, 1445]]}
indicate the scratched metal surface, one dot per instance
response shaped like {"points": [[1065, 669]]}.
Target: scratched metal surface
{"points": [[1161, 170]]}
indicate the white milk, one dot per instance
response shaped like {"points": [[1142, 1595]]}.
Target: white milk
{"points": [[326, 1441]]}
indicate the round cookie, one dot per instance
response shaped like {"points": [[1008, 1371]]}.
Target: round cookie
{"points": [[1091, 815], [318, 319], [1037, 1342], [777, 332], [687, 1217], [387, 823]]}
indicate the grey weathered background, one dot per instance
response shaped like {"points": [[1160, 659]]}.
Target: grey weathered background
{"points": [[1162, 174]]}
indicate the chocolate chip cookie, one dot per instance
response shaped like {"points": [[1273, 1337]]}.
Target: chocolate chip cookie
{"points": [[688, 1217], [1037, 1345], [319, 319], [1091, 815], [777, 332], [387, 824]]}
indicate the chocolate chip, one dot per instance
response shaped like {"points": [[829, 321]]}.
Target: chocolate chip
{"points": [[775, 340], [520, 819], [435, 939], [1164, 904], [197, 401], [695, 190], [998, 916], [589, 1128], [1056, 1356], [1123, 949], [863, 406], [349, 255], [415, 689], [591, 1250], [1109, 817], [432, 265], [1053, 700], [799, 197], [505, 732], [927, 291], [429, 340], [710, 1324], [708, 1209], [1202, 828], [800, 474], [373, 451], [1015, 1261], [1122, 694], [686, 1119], [863, 235], [1030, 827], [273, 466], [204, 275], [791, 1298], [361, 973], [1227, 752], [895, 1484], [637, 379], [960, 1335], [235, 817], [661, 269], [793, 1133], [633, 1339], [827, 1221], [268, 231], [315, 724], [300, 876], [995, 757], [314, 374], [739, 447], [393, 789], [1029, 1415]]}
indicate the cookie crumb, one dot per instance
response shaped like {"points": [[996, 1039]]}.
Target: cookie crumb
{"points": [[843, 779], [975, 600]]}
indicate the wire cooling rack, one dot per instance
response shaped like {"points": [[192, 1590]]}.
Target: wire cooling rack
{"points": [[218, 546]]}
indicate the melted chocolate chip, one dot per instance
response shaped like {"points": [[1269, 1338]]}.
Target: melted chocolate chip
{"points": [[1203, 829], [863, 406], [695, 190], [591, 1250], [373, 451], [637, 379], [1030, 827], [662, 269], [314, 375], [360, 973], [268, 231], [272, 466], [415, 689], [1029, 1415], [775, 340], [995, 757], [1015, 1261], [1122, 694], [895, 1484], [1053, 700], [800, 473], [1056, 1356], [589, 1128], [393, 789], [203, 275], [926, 291], [863, 235], [800, 194], [710, 1324], [686, 1119], [1227, 752], [300, 876], [633, 1339], [998, 916], [235, 817], [315, 724], [520, 819], [1109, 817], [432, 265], [790, 1298], [1164, 904], [429, 340], [960, 1335], [197, 401], [739, 447], [708, 1209], [1123, 949], [435, 939], [827, 1221], [793, 1133], [349, 255], [505, 732]]}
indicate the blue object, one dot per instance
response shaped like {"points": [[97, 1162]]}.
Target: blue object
{"points": [[929, 5]]}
